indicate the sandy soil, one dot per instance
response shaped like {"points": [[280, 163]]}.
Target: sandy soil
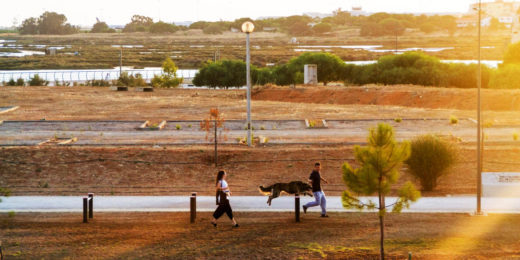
{"points": [[260, 236], [181, 170], [88, 103]]}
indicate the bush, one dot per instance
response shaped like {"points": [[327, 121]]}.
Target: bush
{"points": [[415, 68], [169, 77], [512, 55], [506, 77], [131, 81], [225, 73], [11, 82], [162, 27], [4, 192], [37, 81], [101, 27], [454, 120], [212, 29], [330, 67], [98, 83], [322, 28], [430, 159]]}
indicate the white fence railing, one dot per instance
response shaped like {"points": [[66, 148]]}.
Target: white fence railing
{"points": [[61, 76]]}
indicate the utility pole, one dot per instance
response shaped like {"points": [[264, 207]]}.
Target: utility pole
{"points": [[479, 123], [396, 43], [121, 61], [248, 81]]}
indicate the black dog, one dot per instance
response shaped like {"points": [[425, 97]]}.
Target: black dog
{"points": [[294, 187]]}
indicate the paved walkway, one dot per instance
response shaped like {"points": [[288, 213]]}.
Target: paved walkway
{"points": [[459, 204]]}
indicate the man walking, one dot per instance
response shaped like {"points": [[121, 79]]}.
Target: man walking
{"points": [[315, 179]]}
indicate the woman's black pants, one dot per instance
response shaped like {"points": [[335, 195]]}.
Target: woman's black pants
{"points": [[223, 208]]}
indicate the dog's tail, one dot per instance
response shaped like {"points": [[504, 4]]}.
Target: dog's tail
{"points": [[265, 190]]}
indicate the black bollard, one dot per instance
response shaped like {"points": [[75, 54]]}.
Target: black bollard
{"points": [[91, 205], [297, 207], [85, 209], [193, 207]]}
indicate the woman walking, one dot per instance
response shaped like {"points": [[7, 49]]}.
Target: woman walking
{"points": [[223, 193]]}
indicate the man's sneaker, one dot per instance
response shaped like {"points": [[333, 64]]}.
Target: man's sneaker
{"points": [[324, 215], [304, 209]]}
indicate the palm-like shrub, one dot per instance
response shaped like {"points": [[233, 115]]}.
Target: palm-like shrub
{"points": [[429, 160]]}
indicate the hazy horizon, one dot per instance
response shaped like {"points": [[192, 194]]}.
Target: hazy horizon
{"points": [[84, 13]]}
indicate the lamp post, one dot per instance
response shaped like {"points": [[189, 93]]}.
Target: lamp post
{"points": [[248, 28], [479, 123]]}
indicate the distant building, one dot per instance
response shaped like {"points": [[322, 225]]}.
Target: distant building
{"points": [[505, 12], [270, 29], [472, 20], [318, 15], [358, 11]]}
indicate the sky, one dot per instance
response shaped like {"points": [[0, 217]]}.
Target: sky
{"points": [[118, 12]]}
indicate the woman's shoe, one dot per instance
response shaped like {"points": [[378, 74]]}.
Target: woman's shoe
{"points": [[236, 225], [214, 224]]}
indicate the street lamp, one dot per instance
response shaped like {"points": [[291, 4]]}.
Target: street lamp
{"points": [[248, 28], [479, 124]]}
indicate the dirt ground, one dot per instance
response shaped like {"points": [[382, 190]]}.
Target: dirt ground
{"points": [[260, 236], [86, 103], [91, 103], [178, 170], [181, 170]]}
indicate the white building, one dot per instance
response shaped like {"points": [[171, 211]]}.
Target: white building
{"points": [[499, 9], [358, 11]]}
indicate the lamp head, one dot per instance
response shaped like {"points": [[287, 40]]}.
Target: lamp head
{"points": [[248, 27]]}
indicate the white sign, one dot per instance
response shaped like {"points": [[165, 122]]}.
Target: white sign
{"points": [[501, 184]]}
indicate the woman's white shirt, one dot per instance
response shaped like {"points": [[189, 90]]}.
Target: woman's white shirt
{"points": [[224, 185]]}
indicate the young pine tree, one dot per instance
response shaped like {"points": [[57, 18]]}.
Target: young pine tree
{"points": [[379, 168]]}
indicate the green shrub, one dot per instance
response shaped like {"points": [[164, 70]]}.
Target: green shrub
{"points": [[169, 77], [398, 120], [98, 83], [4, 192], [20, 82], [178, 127], [58, 83], [515, 136], [101, 27], [37, 81], [212, 29], [131, 80], [506, 77], [162, 27], [11, 82], [430, 159], [512, 55], [329, 65], [454, 120], [225, 73]]}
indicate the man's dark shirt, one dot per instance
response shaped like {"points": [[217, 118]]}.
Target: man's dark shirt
{"points": [[316, 181]]}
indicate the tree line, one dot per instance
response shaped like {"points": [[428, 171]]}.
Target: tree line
{"points": [[414, 68], [377, 24]]}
